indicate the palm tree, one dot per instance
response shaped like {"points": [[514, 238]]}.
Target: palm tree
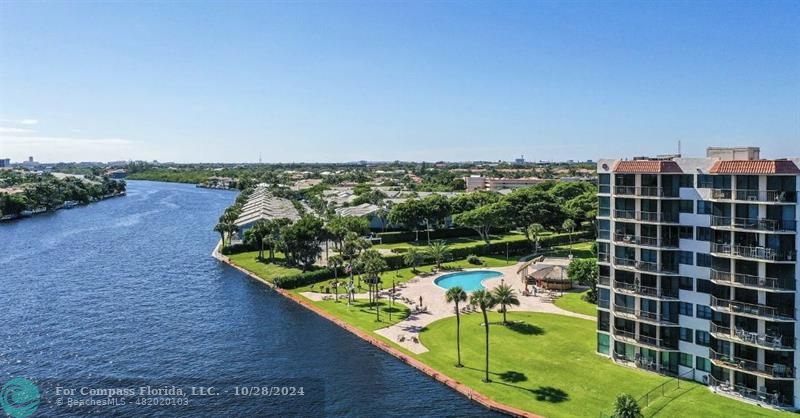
{"points": [[627, 407], [373, 265], [412, 258], [256, 235], [569, 226], [534, 232], [334, 262], [220, 227], [505, 295], [455, 295], [485, 301], [438, 251]]}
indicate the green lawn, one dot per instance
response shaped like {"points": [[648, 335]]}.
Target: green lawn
{"points": [[579, 250], [457, 242], [361, 315], [547, 364], [405, 274], [573, 302], [249, 261]]}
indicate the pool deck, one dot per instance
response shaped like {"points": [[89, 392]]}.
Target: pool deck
{"points": [[437, 308]]}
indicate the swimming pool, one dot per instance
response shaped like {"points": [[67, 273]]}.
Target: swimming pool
{"points": [[470, 281]]}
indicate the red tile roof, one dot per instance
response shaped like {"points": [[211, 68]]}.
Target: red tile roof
{"points": [[646, 166], [754, 167]]}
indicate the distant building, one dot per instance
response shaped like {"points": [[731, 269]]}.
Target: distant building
{"points": [[520, 160], [474, 183], [5, 162]]}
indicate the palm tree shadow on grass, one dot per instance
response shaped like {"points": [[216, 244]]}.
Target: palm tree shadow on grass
{"points": [[542, 393], [525, 328]]}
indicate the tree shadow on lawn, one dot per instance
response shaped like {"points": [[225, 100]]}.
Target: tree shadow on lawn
{"points": [[542, 393], [525, 328]]}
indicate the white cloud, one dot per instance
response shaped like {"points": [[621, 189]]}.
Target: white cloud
{"points": [[13, 130], [28, 122]]}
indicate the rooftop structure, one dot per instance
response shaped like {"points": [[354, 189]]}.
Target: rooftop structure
{"points": [[264, 205], [698, 270], [474, 183]]}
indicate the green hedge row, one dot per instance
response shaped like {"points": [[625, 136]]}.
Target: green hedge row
{"points": [[407, 236], [520, 247], [237, 248], [307, 278]]}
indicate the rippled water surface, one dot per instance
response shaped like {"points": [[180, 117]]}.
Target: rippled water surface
{"points": [[125, 291]]}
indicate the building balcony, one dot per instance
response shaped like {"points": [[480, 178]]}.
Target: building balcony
{"points": [[645, 191], [638, 314], [765, 196], [752, 310], [753, 339], [752, 253], [631, 239], [645, 266], [651, 292], [645, 216], [603, 257], [753, 224], [768, 284], [603, 280], [760, 397], [643, 340], [769, 371]]}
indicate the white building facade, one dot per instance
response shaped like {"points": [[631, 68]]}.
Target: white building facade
{"points": [[698, 270]]}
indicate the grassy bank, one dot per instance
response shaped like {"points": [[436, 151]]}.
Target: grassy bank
{"points": [[573, 302]]}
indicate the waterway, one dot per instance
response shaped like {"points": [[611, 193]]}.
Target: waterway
{"points": [[123, 293]]}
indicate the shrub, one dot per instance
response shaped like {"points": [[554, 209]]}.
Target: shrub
{"points": [[474, 259], [408, 236], [237, 248], [304, 279]]}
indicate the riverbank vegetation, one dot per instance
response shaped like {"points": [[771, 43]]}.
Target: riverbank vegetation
{"points": [[22, 192]]}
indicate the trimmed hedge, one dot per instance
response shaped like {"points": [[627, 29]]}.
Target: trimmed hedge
{"points": [[304, 279], [520, 247], [407, 236], [237, 248]]}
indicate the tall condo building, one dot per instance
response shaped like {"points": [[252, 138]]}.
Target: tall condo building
{"points": [[698, 270]]}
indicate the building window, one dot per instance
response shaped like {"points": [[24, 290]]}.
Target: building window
{"points": [[604, 180], [702, 338], [703, 233], [704, 286], [686, 180], [704, 312], [686, 308], [703, 207], [703, 364], [703, 260], [686, 206], [686, 360], [687, 232], [686, 257], [686, 283], [687, 334], [704, 181], [603, 345]]}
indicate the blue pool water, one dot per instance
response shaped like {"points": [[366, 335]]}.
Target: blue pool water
{"points": [[470, 281]]}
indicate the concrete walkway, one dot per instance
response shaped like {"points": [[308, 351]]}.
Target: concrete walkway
{"points": [[433, 299]]}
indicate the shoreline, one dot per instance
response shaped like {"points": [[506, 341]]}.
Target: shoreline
{"points": [[440, 377], [7, 218]]}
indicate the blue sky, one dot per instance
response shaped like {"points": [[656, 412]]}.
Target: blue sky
{"points": [[412, 80]]}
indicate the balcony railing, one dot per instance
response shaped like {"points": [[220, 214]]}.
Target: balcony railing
{"points": [[644, 315], [740, 335], [775, 370], [649, 191], [645, 241], [603, 280], [653, 292], [751, 309], [758, 253], [756, 224], [602, 257], [645, 216], [646, 266], [749, 195], [747, 280], [740, 391]]}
